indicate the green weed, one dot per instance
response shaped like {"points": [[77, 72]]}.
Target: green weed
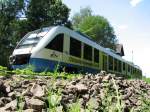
{"points": [[3, 71], [75, 107], [54, 97], [26, 71], [146, 79], [20, 103], [111, 102]]}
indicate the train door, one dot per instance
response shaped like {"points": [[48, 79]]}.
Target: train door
{"points": [[56, 47], [66, 48], [105, 62], [54, 51], [72, 47]]}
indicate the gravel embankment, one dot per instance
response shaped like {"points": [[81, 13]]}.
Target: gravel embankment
{"points": [[90, 92]]}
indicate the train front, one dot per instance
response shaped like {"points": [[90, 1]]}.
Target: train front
{"points": [[20, 57]]}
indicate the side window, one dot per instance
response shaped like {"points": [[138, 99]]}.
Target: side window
{"points": [[135, 70], [56, 43], [96, 55], [132, 70], [128, 68], [124, 66], [110, 63], [75, 47], [115, 64], [87, 52], [105, 64], [119, 66]]}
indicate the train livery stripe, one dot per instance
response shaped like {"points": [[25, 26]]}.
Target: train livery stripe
{"points": [[49, 54], [50, 65]]}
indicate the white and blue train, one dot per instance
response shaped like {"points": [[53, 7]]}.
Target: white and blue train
{"points": [[48, 47]]}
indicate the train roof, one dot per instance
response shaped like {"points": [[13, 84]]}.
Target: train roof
{"points": [[85, 39]]}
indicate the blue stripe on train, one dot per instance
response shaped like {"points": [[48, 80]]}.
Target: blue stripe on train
{"points": [[40, 65]]}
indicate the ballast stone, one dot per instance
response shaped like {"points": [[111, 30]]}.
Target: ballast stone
{"points": [[12, 106], [37, 90], [35, 104]]}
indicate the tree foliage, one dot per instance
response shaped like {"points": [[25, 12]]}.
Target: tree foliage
{"points": [[17, 17], [46, 13], [9, 11], [80, 16], [97, 27]]}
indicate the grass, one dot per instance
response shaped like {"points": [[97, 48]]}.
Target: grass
{"points": [[146, 79], [29, 72], [20, 103], [111, 101], [3, 71], [119, 104], [53, 100], [75, 107]]}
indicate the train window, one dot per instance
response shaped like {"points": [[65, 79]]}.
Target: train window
{"points": [[133, 70], [31, 39], [56, 43], [119, 66], [105, 64], [136, 71], [128, 68], [75, 47], [96, 55], [87, 52], [115, 64], [124, 66], [110, 63]]}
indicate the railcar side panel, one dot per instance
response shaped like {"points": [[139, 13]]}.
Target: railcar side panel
{"points": [[48, 47]]}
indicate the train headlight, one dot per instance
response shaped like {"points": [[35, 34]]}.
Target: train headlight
{"points": [[12, 59], [19, 59]]}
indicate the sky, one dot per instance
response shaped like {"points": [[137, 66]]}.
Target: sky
{"points": [[131, 22]]}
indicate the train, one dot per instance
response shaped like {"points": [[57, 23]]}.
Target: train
{"points": [[54, 47]]}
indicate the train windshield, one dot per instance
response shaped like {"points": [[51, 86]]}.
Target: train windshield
{"points": [[32, 38]]}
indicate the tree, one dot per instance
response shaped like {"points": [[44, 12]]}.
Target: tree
{"points": [[100, 30], [97, 27], [46, 13], [41, 13], [80, 16], [9, 11], [17, 17]]}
